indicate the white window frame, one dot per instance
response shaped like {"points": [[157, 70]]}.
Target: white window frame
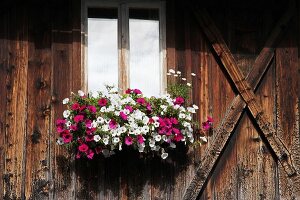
{"points": [[123, 37]]}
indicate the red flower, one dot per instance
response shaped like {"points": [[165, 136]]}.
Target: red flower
{"points": [[90, 154], [112, 124], [128, 91], [102, 102], [123, 116], [75, 106], [140, 139], [174, 120], [178, 137], [67, 137], [129, 108], [140, 101], [89, 138], [78, 118], [60, 122], [179, 100], [83, 148], [137, 91], [98, 150], [128, 140], [92, 109]]}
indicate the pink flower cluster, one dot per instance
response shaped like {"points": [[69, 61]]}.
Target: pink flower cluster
{"points": [[106, 123]]}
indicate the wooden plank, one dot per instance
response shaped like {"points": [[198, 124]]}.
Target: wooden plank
{"points": [[37, 183], [288, 93], [3, 92], [62, 172], [233, 113], [16, 113]]}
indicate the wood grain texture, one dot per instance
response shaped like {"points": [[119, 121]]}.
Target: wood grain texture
{"points": [[14, 171], [4, 67], [234, 111]]}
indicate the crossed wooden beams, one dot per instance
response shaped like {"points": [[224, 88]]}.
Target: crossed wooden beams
{"points": [[246, 97]]}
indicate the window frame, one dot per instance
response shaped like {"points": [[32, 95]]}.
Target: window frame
{"points": [[123, 37]]}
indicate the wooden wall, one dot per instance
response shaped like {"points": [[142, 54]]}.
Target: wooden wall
{"points": [[40, 51]]}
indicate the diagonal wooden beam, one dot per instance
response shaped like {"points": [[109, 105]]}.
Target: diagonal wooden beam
{"points": [[234, 112]]}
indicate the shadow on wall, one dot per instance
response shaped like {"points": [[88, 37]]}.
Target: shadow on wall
{"points": [[125, 173]]}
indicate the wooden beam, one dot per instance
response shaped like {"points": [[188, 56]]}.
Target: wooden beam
{"points": [[234, 112]]}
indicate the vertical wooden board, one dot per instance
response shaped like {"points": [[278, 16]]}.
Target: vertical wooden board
{"points": [[3, 92], [37, 183], [16, 113], [287, 75], [63, 173]]}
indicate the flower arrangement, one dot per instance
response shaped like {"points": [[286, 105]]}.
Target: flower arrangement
{"points": [[105, 122]]}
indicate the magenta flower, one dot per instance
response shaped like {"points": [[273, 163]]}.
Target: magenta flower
{"points": [[67, 137], [102, 102], [112, 124], [123, 116], [137, 91], [90, 154], [128, 107], [128, 140], [174, 120], [89, 138], [149, 108], [210, 119], [75, 106], [60, 122], [178, 137], [140, 101], [60, 129], [78, 118], [92, 109], [73, 127], [128, 91], [206, 126], [82, 107], [179, 100], [140, 139], [176, 131], [98, 150], [78, 155], [83, 148]]}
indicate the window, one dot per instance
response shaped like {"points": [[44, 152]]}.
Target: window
{"points": [[125, 45]]}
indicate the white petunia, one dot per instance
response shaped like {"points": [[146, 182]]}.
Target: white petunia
{"points": [[80, 93], [97, 138], [181, 115], [120, 146], [169, 74], [66, 113], [178, 72], [172, 145], [157, 138], [145, 120], [191, 109], [115, 140], [141, 148], [100, 120], [176, 106], [204, 139], [145, 129], [68, 123], [184, 79], [176, 75], [172, 71], [188, 117], [165, 138], [105, 140], [151, 143], [66, 100], [164, 155], [60, 141], [103, 109], [94, 124], [193, 74], [189, 84], [196, 107], [156, 124]]}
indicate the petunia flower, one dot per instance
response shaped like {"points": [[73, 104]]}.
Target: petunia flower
{"points": [[80, 93], [66, 100], [140, 139], [123, 115], [78, 118], [75, 106], [128, 140], [112, 124], [90, 154], [92, 109], [140, 101], [102, 102], [83, 148], [179, 100], [137, 91], [67, 137], [128, 91]]}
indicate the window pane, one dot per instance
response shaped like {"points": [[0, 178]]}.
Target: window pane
{"points": [[102, 48], [144, 62]]}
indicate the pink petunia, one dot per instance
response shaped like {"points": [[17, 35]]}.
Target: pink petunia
{"points": [[128, 107], [137, 91], [179, 100], [83, 148], [98, 150], [60, 129], [128, 140], [75, 106], [206, 126], [128, 91], [78, 118], [67, 137], [60, 122], [210, 119], [140, 101], [123, 116], [73, 127], [83, 107], [140, 139], [149, 108], [174, 120], [89, 138], [78, 155], [102, 102], [90, 154], [176, 131], [92, 109], [112, 124], [178, 137]]}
